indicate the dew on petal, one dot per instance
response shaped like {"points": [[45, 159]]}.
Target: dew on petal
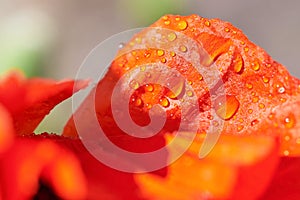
{"points": [[255, 66], [207, 23], [172, 53], [172, 36], [167, 22], [226, 106], [255, 99], [163, 60], [183, 48], [238, 63], [134, 84], [189, 93], [240, 128], [149, 88], [289, 121], [182, 25], [138, 102], [254, 122], [164, 102], [261, 105], [266, 80], [281, 90], [249, 85], [160, 52]]}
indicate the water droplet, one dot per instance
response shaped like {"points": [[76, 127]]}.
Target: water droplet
{"points": [[207, 23], [286, 153], [261, 106], [240, 128], [182, 25], [265, 79], [249, 85], [238, 63], [287, 138], [190, 82], [255, 66], [283, 100], [138, 102], [177, 18], [254, 122], [149, 88], [143, 68], [255, 99], [200, 77], [165, 17], [226, 106], [189, 93], [183, 48], [160, 52], [289, 121], [246, 49], [134, 84], [215, 123], [163, 60], [167, 22], [250, 111], [147, 54], [271, 116], [172, 36], [242, 42], [164, 102], [281, 90], [172, 53], [226, 29], [138, 40]]}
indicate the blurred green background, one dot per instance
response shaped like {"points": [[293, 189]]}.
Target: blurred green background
{"points": [[51, 38]]}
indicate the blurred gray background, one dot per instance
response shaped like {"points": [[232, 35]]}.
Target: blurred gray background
{"points": [[51, 38]]}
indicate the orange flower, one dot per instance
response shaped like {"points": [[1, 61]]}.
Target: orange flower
{"points": [[260, 114]]}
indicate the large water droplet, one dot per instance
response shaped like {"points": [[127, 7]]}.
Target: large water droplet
{"points": [[226, 106], [238, 63], [149, 88], [164, 102], [182, 25], [160, 52]]}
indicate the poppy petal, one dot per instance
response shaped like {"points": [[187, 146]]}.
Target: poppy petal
{"points": [[7, 132], [30, 100], [30, 161]]}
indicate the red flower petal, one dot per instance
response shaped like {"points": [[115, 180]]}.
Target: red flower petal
{"points": [[285, 183], [7, 132], [28, 163], [29, 101]]}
